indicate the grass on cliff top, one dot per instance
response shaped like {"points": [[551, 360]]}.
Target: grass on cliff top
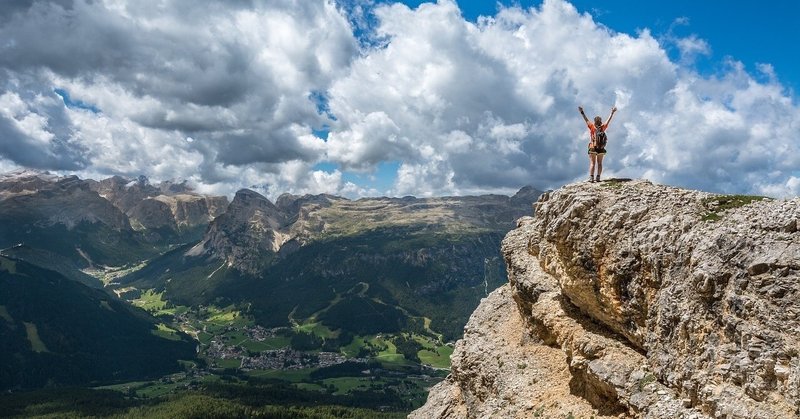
{"points": [[716, 205], [614, 182]]}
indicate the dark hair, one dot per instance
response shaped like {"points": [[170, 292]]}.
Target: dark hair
{"points": [[598, 120]]}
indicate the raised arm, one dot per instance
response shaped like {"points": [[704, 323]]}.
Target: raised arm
{"points": [[583, 115], [613, 111]]}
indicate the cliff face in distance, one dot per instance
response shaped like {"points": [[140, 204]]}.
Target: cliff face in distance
{"points": [[253, 230], [170, 205], [110, 222], [629, 299], [119, 203], [46, 200]]}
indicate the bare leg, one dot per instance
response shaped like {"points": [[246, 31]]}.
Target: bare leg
{"points": [[600, 164], [592, 159]]}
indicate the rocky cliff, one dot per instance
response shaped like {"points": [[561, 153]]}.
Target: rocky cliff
{"points": [[117, 202], [630, 299], [247, 235], [111, 222], [167, 205], [43, 200]]}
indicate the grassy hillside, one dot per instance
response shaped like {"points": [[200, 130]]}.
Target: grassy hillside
{"points": [[53, 261], [85, 244], [55, 331]]}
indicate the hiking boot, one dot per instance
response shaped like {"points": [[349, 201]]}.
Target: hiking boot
{"points": [[591, 179], [597, 179]]}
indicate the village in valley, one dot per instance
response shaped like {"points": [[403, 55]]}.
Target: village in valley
{"points": [[230, 345]]}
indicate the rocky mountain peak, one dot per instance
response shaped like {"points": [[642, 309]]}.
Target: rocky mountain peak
{"points": [[169, 187], [122, 192], [291, 204], [247, 234], [627, 298], [254, 207], [254, 231], [526, 194], [170, 205], [20, 181], [245, 195]]}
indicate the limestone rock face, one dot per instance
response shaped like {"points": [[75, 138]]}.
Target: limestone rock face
{"points": [[152, 214], [123, 193], [247, 234], [177, 212], [192, 210], [174, 206], [117, 202], [660, 302]]}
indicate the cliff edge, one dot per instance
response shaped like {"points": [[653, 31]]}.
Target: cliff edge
{"points": [[630, 299]]}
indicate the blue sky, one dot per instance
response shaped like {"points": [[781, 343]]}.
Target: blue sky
{"points": [[752, 32], [373, 97], [748, 31]]}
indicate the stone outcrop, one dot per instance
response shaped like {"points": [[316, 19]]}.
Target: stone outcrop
{"points": [[629, 299], [176, 212], [111, 222]]}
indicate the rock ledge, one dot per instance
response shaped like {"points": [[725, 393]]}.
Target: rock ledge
{"points": [[629, 299]]}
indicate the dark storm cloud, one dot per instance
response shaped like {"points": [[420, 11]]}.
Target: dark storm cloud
{"points": [[69, 41], [261, 147], [9, 7], [218, 71], [186, 122], [88, 40], [30, 114], [58, 154]]}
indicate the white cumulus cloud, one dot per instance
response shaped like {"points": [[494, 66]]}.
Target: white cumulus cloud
{"points": [[230, 94], [494, 103]]}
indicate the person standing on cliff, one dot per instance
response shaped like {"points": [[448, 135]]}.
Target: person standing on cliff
{"points": [[597, 142]]}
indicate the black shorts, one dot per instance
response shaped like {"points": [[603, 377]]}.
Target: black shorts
{"points": [[597, 150]]}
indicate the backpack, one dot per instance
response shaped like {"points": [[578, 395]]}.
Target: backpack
{"points": [[600, 138]]}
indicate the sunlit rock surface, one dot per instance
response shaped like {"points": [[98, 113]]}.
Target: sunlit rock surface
{"points": [[637, 300]]}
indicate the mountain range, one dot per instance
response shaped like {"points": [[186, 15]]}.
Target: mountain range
{"points": [[111, 222], [338, 269]]}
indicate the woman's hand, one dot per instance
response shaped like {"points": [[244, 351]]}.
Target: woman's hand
{"points": [[614, 109], [580, 109]]}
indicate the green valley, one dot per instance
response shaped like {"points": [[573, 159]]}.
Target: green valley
{"points": [[314, 306]]}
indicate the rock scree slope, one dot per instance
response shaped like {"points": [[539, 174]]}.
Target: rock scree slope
{"points": [[630, 299]]}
